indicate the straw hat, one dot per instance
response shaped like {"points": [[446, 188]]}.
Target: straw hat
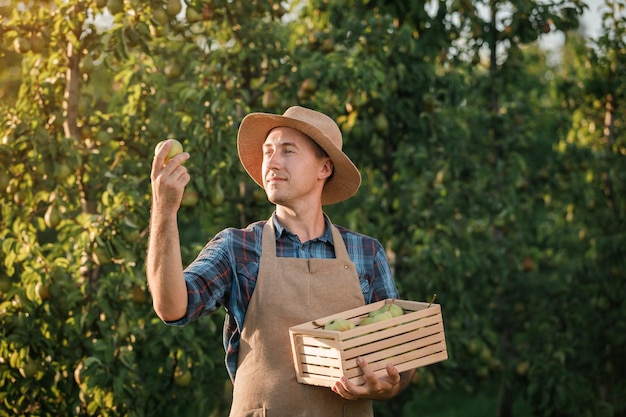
{"points": [[322, 129]]}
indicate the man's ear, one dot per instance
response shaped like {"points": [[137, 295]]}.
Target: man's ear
{"points": [[327, 169]]}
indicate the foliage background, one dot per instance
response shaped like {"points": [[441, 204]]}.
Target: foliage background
{"points": [[493, 176]]}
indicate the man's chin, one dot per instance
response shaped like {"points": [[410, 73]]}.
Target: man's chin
{"points": [[276, 199], [273, 198]]}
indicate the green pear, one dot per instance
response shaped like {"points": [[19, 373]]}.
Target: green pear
{"points": [[385, 315], [394, 309], [174, 150], [115, 6], [52, 217], [173, 7], [339, 325]]}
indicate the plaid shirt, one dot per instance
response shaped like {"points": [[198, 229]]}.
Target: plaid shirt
{"points": [[224, 273]]}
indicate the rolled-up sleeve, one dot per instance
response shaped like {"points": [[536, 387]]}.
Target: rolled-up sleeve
{"points": [[208, 279]]}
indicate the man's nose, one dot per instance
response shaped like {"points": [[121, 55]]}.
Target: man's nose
{"points": [[272, 160]]}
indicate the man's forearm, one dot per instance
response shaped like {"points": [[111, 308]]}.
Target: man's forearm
{"points": [[164, 269]]}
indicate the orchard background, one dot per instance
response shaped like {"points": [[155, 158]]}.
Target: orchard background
{"points": [[494, 176]]}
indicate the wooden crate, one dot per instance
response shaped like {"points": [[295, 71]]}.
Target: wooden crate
{"points": [[410, 341]]}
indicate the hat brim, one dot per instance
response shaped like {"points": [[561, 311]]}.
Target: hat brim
{"points": [[253, 132]]}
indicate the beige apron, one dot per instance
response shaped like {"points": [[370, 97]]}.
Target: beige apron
{"points": [[291, 291]]}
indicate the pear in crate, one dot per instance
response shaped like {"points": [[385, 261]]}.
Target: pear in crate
{"points": [[385, 315], [392, 308], [339, 325]]}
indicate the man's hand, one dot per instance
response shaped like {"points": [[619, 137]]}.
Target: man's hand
{"points": [[374, 388], [168, 180]]}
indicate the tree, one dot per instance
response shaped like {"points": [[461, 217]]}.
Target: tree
{"points": [[461, 183], [589, 185], [94, 99]]}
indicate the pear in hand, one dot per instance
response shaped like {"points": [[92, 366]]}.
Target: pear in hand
{"points": [[174, 150], [339, 325]]}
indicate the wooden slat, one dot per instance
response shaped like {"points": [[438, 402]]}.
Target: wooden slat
{"points": [[316, 351], [315, 332], [411, 320], [319, 380], [349, 314], [382, 332], [415, 338], [321, 361], [316, 341], [293, 338], [379, 360], [315, 327], [417, 363], [321, 370]]}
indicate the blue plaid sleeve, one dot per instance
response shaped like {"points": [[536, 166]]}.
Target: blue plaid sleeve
{"points": [[209, 279]]}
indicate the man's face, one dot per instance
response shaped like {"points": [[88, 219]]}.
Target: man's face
{"points": [[291, 170]]}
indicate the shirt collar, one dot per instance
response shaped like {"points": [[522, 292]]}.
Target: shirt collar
{"points": [[280, 230]]}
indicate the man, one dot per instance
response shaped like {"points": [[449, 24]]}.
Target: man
{"points": [[295, 267]]}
